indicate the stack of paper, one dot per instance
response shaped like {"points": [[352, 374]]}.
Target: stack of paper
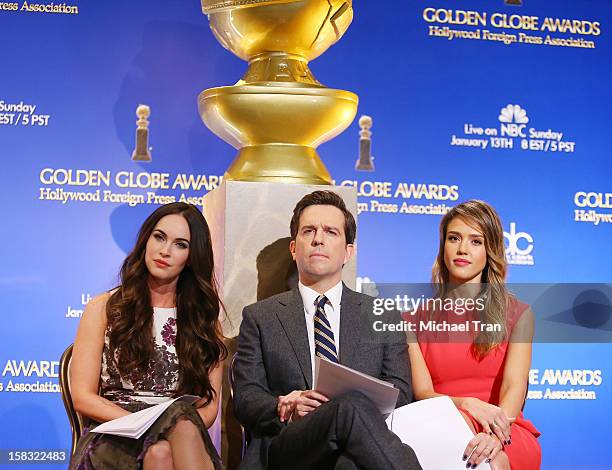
{"points": [[333, 379], [136, 424], [435, 430]]}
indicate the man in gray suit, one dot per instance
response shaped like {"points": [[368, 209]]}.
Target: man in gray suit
{"points": [[291, 425]]}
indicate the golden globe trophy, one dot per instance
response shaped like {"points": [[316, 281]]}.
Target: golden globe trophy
{"points": [[142, 152], [278, 113]]}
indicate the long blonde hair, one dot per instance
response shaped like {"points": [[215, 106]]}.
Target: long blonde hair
{"points": [[482, 216]]}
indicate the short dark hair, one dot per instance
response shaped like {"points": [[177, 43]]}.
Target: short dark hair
{"points": [[324, 198]]}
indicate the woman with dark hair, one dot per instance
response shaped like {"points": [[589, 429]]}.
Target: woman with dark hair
{"points": [[154, 337], [484, 370]]}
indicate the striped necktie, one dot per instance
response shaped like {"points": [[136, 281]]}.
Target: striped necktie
{"points": [[325, 346]]}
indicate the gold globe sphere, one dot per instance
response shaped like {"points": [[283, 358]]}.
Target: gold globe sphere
{"points": [[302, 28]]}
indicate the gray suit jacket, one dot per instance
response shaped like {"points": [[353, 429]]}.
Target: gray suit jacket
{"points": [[273, 358]]}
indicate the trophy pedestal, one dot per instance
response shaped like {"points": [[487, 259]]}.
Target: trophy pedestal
{"points": [[249, 224], [277, 128], [285, 163]]}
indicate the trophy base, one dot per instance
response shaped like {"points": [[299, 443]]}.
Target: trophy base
{"points": [[138, 157], [281, 163], [277, 128]]}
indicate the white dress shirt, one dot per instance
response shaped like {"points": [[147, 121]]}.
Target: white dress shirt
{"points": [[332, 311]]}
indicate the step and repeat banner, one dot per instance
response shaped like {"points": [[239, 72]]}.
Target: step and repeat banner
{"points": [[506, 101]]}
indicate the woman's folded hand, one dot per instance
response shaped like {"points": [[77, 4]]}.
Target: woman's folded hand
{"points": [[482, 447], [492, 418]]}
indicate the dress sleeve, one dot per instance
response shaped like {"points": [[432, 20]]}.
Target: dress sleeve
{"points": [[516, 308]]}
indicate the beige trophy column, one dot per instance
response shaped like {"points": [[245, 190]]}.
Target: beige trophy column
{"points": [[249, 222]]}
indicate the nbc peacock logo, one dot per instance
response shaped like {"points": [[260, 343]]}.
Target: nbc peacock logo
{"points": [[513, 120], [513, 114]]}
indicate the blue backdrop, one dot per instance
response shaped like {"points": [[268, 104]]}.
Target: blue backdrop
{"points": [[492, 104]]}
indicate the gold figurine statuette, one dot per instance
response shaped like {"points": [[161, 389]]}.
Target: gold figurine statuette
{"points": [[278, 113], [365, 162], [141, 151]]}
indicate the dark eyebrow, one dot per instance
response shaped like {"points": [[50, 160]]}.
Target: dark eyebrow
{"points": [[473, 235], [165, 235], [326, 227]]}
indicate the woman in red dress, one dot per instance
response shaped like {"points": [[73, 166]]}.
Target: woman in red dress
{"points": [[482, 362]]}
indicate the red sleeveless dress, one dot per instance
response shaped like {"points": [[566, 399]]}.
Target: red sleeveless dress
{"points": [[455, 371]]}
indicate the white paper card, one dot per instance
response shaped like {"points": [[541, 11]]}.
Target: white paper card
{"points": [[436, 431], [136, 424], [333, 379]]}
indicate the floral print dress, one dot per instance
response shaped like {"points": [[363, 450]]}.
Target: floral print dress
{"points": [[136, 392]]}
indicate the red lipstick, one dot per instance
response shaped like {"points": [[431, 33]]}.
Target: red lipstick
{"points": [[161, 263], [461, 262]]}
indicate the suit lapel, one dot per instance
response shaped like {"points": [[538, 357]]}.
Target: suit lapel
{"points": [[350, 310], [291, 317]]}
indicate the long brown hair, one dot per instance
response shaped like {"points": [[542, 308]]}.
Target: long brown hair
{"points": [[199, 343], [482, 216]]}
